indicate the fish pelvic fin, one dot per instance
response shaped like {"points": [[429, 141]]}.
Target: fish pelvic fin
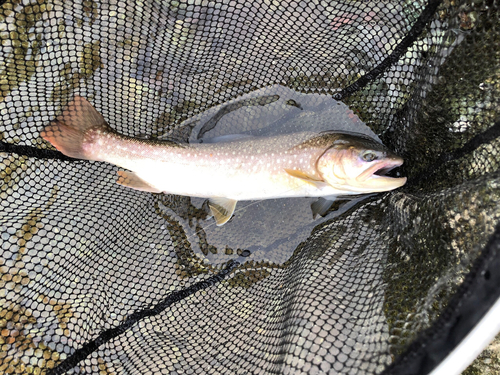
{"points": [[321, 206], [222, 209], [306, 178], [67, 133], [131, 180]]}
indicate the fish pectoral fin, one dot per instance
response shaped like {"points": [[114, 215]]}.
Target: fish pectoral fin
{"points": [[321, 206], [131, 180], [305, 177], [222, 209]]}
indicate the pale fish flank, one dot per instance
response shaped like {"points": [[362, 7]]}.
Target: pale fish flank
{"points": [[302, 164]]}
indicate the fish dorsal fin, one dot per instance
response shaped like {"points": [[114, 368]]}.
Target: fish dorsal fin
{"points": [[131, 180], [222, 209], [227, 138], [305, 177]]}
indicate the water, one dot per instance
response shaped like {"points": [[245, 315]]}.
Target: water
{"points": [[266, 231]]}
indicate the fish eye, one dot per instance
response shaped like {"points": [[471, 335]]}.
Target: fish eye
{"points": [[369, 156]]}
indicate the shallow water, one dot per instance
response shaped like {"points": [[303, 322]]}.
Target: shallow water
{"points": [[261, 231]]}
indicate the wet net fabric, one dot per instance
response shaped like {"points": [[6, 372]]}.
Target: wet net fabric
{"points": [[100, 279]]}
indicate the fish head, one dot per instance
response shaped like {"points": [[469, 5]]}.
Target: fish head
{"points": [[359, 164]]}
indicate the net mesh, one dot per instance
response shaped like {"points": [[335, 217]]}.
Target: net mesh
{"points": [[96, 278]]}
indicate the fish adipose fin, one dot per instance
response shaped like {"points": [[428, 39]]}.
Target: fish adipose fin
{"points": [[305, 177], [222, 209], [67, 131], [131, 180]]}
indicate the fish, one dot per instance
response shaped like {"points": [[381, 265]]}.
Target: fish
{"points": [[302, 164]]}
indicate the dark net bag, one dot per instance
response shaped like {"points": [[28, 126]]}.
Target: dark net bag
{"points": [[100, 279]]}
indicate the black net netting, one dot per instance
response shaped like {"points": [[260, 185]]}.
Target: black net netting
{"points": [[97, 278]]}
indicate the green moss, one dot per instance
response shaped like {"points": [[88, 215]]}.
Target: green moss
{"points": [[20, 65], [433, 242], [461, 88], [488, 362], [15, 319], [89, 63]]}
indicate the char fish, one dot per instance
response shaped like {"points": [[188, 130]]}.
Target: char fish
{"points": [[304, 164]]}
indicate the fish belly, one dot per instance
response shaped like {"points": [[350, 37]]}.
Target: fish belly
{"points": [[233, 183]]}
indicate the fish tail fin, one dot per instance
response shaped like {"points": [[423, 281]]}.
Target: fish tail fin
{"points": [[68, 131]]}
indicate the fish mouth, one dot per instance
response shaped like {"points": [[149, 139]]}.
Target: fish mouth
{"points": [[377, 174], [384, 169]]}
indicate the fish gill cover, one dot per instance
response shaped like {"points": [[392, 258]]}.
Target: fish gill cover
{"points": [[96, 278]]}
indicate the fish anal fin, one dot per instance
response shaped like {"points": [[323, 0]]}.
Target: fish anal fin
{"points": [[222, 209], [305, 177], [131, 180]]}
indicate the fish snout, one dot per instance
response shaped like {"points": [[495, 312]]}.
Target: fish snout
{"points": [[375, 177]]}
